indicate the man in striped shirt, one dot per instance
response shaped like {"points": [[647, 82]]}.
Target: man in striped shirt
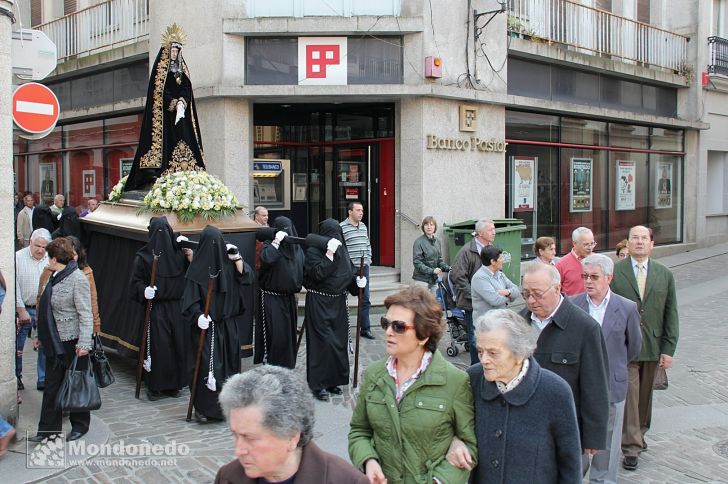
{"points": [[356, 238], [29, 265]]}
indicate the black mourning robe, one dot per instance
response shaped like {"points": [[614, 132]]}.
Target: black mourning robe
{"points": [[279, 279], [68, 224], [43, 218], [326, 319], [168, 344], [165, 147], [226, 310]]}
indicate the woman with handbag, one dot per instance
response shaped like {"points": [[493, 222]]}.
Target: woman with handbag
{"points": [[65, 327]]}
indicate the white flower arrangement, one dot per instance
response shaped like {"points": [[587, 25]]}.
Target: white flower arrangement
{"points": [[190, 193], [118, 189]]}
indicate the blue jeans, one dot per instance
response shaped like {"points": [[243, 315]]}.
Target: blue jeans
{"points": [[365, 304], [471, 337], [20, 338], [5, 427]]}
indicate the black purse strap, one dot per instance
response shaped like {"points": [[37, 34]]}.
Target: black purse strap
{"points": [[75, 360], [97, 343]]}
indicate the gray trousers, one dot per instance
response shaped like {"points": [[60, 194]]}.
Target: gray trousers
{"points": [[605, 464]]}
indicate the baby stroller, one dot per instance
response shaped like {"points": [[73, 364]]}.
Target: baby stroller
{"points": [[455, 317]]}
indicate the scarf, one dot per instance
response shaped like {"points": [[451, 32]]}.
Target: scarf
{"points": [[47, 329]]}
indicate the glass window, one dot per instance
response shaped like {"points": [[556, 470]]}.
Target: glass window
{"points": [[666, 139], [374, 60], [717, 189], [632, 193], [131, 81], [583, 131], [628, 136], [271, 61], [532, 79], [665, 203], [530, 126], [83, 134], [92, 90], [575, 86]]}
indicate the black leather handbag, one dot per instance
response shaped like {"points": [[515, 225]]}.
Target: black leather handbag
{"points": [[101, 365], [78, 392]]}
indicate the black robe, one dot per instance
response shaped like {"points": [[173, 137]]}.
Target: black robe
{"points": [[226, 310], [327, 319], [43, 218], [68, 224], [168, 344], [165, 147], [279, 279]]}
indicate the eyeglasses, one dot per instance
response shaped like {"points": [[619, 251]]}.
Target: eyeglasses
{"points": [[399, 327], [589, 245], [593, 277], [534, 294]]}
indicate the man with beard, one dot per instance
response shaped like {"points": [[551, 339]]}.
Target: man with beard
{"points": [[167, 340], [327, 277], [279, 279], [221, 349]]}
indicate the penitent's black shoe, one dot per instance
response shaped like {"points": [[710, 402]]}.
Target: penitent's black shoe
{"points": [[39, 437], [201, 418], [630, 462], [321, 394], [335, 390], [365, 333], [74, 435], [171, 393], [153, 396]]}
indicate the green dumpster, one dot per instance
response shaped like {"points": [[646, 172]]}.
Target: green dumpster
{"points": [[507, 237]]}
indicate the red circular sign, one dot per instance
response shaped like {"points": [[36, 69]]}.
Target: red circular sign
{"points": [[35, 108]]}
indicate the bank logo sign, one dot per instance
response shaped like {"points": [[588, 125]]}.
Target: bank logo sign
{"points": [[322, 61]]}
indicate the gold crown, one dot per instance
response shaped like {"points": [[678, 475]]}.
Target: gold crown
{"points": [[174, 34]]}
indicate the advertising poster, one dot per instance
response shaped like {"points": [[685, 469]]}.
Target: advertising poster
{"points": [[625, 199], [89, 183], [663, 193], [524, 183], [580, 196], [125, 166], [48, 181]]}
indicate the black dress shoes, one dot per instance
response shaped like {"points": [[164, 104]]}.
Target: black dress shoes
{"points": [[39, 437], [630, 463], [335, 390], [171, 393], [153, 396], [40, 386], [74, 435], [201, 418], [365, 333], [321, 394]]}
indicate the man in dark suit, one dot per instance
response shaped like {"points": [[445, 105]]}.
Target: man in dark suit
{"points": [[620, 324], [570, 344], [652, 286]]}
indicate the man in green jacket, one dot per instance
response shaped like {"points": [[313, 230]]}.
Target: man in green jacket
{"points": [[652, 286]]}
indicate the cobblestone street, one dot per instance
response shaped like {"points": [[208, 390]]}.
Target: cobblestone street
{"points": [[688, 441]]}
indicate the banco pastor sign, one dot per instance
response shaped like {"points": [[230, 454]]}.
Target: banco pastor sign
{"points": [[466, 144]]}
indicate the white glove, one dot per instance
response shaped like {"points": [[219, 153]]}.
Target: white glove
{"points": [[333, 244], [180, 112], [203, 322], [59, 216], [361, 282], [149, 292], [182, 238], [211, 382], [147, 365], [280, 235], [232, 251]]}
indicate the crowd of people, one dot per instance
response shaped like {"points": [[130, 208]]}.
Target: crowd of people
{"points": [[554, 392]]}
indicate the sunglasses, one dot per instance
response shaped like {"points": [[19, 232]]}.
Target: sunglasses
{"points": [[593, 277], [399, 327]]}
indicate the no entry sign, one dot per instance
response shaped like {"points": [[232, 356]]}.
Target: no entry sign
{"points": [[35, 108]]}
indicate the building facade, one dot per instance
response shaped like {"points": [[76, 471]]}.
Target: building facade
{"points": [[553, 112]]}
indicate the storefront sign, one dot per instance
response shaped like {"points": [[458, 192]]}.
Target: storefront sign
{"points": [[465, 144], [468, 118], [664, 185], [524, 186], [625, 199], [89, 183], [580, 199], [322, 61], [270, 166], [125, 166]]}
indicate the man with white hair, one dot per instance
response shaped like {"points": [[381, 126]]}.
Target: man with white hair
{"points": [[29, 265], [620, 322], [570, 344], [58, 202], [569, 266], [462, 271]]}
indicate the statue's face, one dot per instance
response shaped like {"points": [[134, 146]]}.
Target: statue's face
{"points": [[173, 53]]}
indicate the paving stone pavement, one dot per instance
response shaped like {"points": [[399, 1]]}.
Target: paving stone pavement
{"points": [[688, 442]]}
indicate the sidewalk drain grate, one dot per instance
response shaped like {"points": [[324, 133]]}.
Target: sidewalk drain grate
{"points": [[721, 448]]}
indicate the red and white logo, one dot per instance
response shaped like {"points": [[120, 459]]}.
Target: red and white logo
{"points": [[322, 61], [35, 108]]}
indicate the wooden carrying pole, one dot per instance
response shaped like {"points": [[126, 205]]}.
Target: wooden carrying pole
{"points": [[358, 325], [200, 344], [145, 329]]}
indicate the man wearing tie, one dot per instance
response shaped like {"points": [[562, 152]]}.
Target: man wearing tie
{"points": [[652, 286]]}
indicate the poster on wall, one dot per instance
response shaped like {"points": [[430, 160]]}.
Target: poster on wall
{"points": [[48, 181], [89, 183], [663, 193], [625, 199], [580, 199], [524, 183], [125, 166]]}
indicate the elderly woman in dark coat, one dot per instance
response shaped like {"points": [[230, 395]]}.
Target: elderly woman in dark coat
{"points": [[525, 418]]}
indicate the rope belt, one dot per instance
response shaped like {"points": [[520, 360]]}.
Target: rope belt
{"points": [[263, 293]]}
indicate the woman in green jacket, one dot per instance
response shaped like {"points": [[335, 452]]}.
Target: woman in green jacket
{"points": [[412, 403], [427, 257]]}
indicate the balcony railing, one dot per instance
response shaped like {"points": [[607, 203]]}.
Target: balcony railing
{"points": [[718, 56], [104, 25], [598, 32]]}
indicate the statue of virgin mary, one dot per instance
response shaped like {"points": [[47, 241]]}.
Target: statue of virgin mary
{"points": [[170, 138]]}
